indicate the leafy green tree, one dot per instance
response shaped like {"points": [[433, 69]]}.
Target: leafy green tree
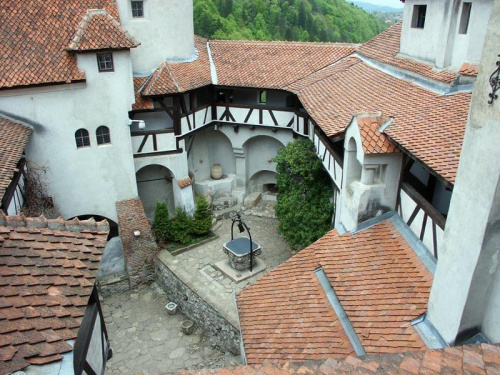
{"points": [[303, 207], [202, 220], [161, 223]]}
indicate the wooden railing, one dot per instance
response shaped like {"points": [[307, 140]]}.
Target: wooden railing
{"points": [[421, 217]]}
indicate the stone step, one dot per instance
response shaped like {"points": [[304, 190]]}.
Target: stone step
{"points": [[223, 203]]}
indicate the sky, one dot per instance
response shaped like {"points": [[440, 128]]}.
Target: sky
{"points": [[389, 3]]}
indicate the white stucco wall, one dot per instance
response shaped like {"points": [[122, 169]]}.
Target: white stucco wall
{"points": [[465, 286], [440, 42], [88, 180], [491, 321], [165, 32]]}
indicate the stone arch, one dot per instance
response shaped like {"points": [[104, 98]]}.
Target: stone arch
{"points": [[113, 225], [217, 147], [263, 181], [154, 185], [259, 154], [353, 167]]}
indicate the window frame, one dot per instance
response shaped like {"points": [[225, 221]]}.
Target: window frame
{"points": [[103, 135], [463, 26], [263, 93], [112, 69], [82, 138], [419, 16], [141, 10]]}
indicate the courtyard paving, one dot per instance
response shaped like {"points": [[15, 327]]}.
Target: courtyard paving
{"points": [[196, 266], [145, 339]]}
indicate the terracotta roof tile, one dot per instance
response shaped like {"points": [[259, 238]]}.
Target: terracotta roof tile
{"points": [[373, 141], [437, 361], [44, 289], [140, 101], [171, 77], [385, 47], [185, 182], [429, 125], [378, 278], [272, 65], [99, 30], [468, 69], [13, 140], [35, 35]]}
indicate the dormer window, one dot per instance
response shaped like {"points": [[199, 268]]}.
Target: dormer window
{"points": [[137, 8], [418, 18], [105, 62], [464, 18]]}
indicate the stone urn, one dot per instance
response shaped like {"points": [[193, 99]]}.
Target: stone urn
{"points": [[216, 171], [171, 308], [188, 327]]}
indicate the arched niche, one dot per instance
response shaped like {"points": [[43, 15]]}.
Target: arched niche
{"points": [[262, 182], [353, 168], [259, 154], [154, 185], [211, 147]]}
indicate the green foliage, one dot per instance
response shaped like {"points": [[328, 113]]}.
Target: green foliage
{"points": [[302, 20], [161, 224], [202, 220], [181, 227], [303, 207]]}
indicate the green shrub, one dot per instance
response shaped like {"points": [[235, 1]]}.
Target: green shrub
{"points": [[303, 208], [202, 221], [161, 225], [181, 227]]}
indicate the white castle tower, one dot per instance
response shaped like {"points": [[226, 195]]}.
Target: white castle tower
{"points": [[164, 28]]}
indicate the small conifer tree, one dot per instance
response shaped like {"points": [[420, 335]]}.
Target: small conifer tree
{"points": [[161, 223], [202, 222], [181, 227]]}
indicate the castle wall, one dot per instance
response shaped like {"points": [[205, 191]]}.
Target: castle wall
{"points": [[87, 180]]}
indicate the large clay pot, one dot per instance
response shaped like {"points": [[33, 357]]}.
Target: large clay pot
{"points": [[217, 172]]}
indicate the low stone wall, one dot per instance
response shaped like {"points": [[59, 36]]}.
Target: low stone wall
{"points": [[220, 332]]}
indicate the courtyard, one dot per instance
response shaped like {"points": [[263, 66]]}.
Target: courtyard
{"points": [[146, 339]]}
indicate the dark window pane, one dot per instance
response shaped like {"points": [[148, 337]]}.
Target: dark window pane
{"points": [[137, 9], [418, 17], [102, 135], [105, 62], [82, 138]]}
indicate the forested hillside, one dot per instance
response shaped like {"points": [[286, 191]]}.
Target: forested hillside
{"points": [[302, 20]]}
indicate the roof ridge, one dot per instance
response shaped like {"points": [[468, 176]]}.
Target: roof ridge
{"points": [[73, 225], [286, 42], [82, 26]]}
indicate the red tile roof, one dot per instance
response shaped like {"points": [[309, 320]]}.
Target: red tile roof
{"points": [[13, 140], [35, 35], [373, 141], [385, 47], [429, 125], [468, 69], [99, 30], [47, 272], [474, 359], [272, 65], [140, 101], [173, 77], [378, 278], [185, 182]]}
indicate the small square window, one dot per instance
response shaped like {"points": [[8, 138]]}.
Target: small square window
{"points": [[105, 62], [464, 19], [418, 18], [137, 8], [263, 97]]}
